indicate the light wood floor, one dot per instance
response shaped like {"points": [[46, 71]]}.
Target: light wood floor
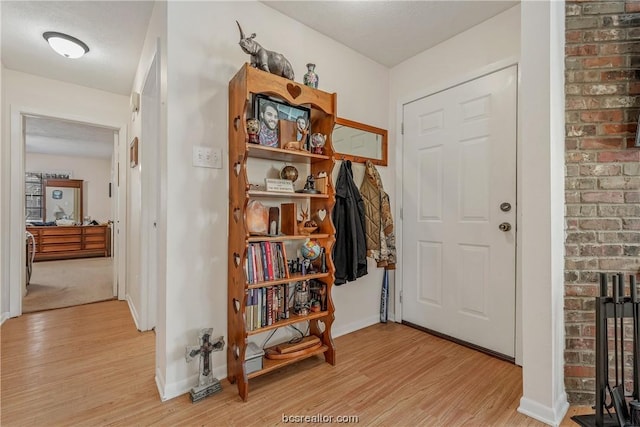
{"points": [[89, 366]]}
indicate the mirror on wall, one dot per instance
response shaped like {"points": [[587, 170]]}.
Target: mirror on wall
{"points": [[359, 142], [63, 201]]}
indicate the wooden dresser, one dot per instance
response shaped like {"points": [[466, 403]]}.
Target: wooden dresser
{"points": [[76, 241]]}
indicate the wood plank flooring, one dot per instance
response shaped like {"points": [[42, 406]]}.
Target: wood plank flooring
{"points": [[89, 366]]}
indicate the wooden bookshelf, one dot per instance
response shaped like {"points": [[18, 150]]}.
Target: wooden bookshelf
{"points": [[247, 83]]}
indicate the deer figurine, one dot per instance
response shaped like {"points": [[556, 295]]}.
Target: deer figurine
{"points": [[264, 59]]}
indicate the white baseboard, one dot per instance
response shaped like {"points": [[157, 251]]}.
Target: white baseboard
{"points": [[134, 313], [4, 317], [550, 416], [354, 326], [170, 391]]}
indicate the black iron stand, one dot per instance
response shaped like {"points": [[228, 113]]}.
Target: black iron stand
{"points": [[613, 397]]}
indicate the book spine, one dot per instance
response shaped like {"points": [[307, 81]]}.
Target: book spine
{"points": [[270, 274]]}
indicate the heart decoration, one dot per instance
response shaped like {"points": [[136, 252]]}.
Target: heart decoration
{"points": [[236, 168], [294, 90], [236, 215], [236, 122], [236, 259], [236, 352], [236, 305], [322, 214]]}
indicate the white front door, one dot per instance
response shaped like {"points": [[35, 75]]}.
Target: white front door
{"points": [[459, 167]]}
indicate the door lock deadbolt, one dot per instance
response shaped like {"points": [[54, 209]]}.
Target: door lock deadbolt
{"points": [[505, 207]]}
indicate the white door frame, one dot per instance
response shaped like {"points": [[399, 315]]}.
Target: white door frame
{"points": [[150, 186], [16, 184], [463, 78]]}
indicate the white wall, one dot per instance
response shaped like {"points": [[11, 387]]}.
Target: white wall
{"points": [[94, 171], [136, 295], [203, 56], [25, 93]]}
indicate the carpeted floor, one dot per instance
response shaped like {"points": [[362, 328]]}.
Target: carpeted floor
{"points": [[57, 284]]}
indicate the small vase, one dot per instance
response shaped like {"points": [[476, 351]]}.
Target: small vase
{"points": [[311, 78]]}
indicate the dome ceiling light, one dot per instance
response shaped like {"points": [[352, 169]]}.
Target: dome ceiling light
{"points": [[65, 45]]}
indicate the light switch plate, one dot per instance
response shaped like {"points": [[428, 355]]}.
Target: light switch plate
{"points": [[207, 157]]}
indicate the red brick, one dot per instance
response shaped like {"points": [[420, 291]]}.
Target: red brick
{"points": [[604, 35], [580, 371], [604, 62], [601, 116], [601, 143], [573, 304], [580, 344], [632, 196], [581, 103], [615, 48], [600, 224], [602, 196], [570, 144], [574, 36], [603, 89], [619, 264], [616, 75], [619, 156], [617, 128], [581, 290], [582, 50], [634, 88], [589, 331], [620, 183], [580, 316], [580, 157], [631, 224], [600, 170], [632, 7]]}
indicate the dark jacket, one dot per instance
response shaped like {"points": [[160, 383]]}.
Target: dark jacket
{"points": [[350, 249]]}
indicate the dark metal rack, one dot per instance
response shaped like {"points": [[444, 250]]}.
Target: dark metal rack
{"points": [[615, 406]]}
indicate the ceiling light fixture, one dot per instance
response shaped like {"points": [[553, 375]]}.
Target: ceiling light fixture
{"points": [[65, 45]]}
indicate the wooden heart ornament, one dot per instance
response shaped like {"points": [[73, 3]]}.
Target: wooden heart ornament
{"points": [[294, 90], [236, 168], [236, 215], [321, 214]]}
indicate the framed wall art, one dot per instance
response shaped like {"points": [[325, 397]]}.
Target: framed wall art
{"points": [[269, 111]]}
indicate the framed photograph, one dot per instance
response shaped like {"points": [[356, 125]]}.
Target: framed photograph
{"points": [[133, 153], [265, 110]]}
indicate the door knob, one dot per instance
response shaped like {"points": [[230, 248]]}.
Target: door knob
{"points": [[505, 226]]}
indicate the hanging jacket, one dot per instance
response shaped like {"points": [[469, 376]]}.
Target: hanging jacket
{"points": [[381, 241], [350, 249]]}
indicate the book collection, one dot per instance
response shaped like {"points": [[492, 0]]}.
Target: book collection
{"points": [[265, 306], [266, 261]]}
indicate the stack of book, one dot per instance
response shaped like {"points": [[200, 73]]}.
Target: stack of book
{"points": [[266, 306], [266, 261]]}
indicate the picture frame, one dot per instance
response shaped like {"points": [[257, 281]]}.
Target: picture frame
{"points": [[285, 112], [133, 153]]}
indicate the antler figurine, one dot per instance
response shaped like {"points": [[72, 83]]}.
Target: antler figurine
{"points": [[306, 227], [264, 59]]}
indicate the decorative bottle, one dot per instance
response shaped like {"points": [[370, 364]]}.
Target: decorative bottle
{"points": [[311, 78]]}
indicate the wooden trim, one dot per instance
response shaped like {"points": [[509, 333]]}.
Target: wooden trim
{"points": [[367, 128]]}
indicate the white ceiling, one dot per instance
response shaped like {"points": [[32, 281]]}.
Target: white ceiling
{"points": [[388, 32]]}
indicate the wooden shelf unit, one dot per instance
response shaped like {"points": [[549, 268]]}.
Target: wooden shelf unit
{"points": [[242, 87]]}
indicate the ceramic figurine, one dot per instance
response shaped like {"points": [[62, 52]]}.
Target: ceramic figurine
{"points": [[311, 78], [253, 128], [317, 143], [263, 59]]}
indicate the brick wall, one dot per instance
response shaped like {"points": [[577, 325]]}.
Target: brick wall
{"points": [[602, 197]]}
